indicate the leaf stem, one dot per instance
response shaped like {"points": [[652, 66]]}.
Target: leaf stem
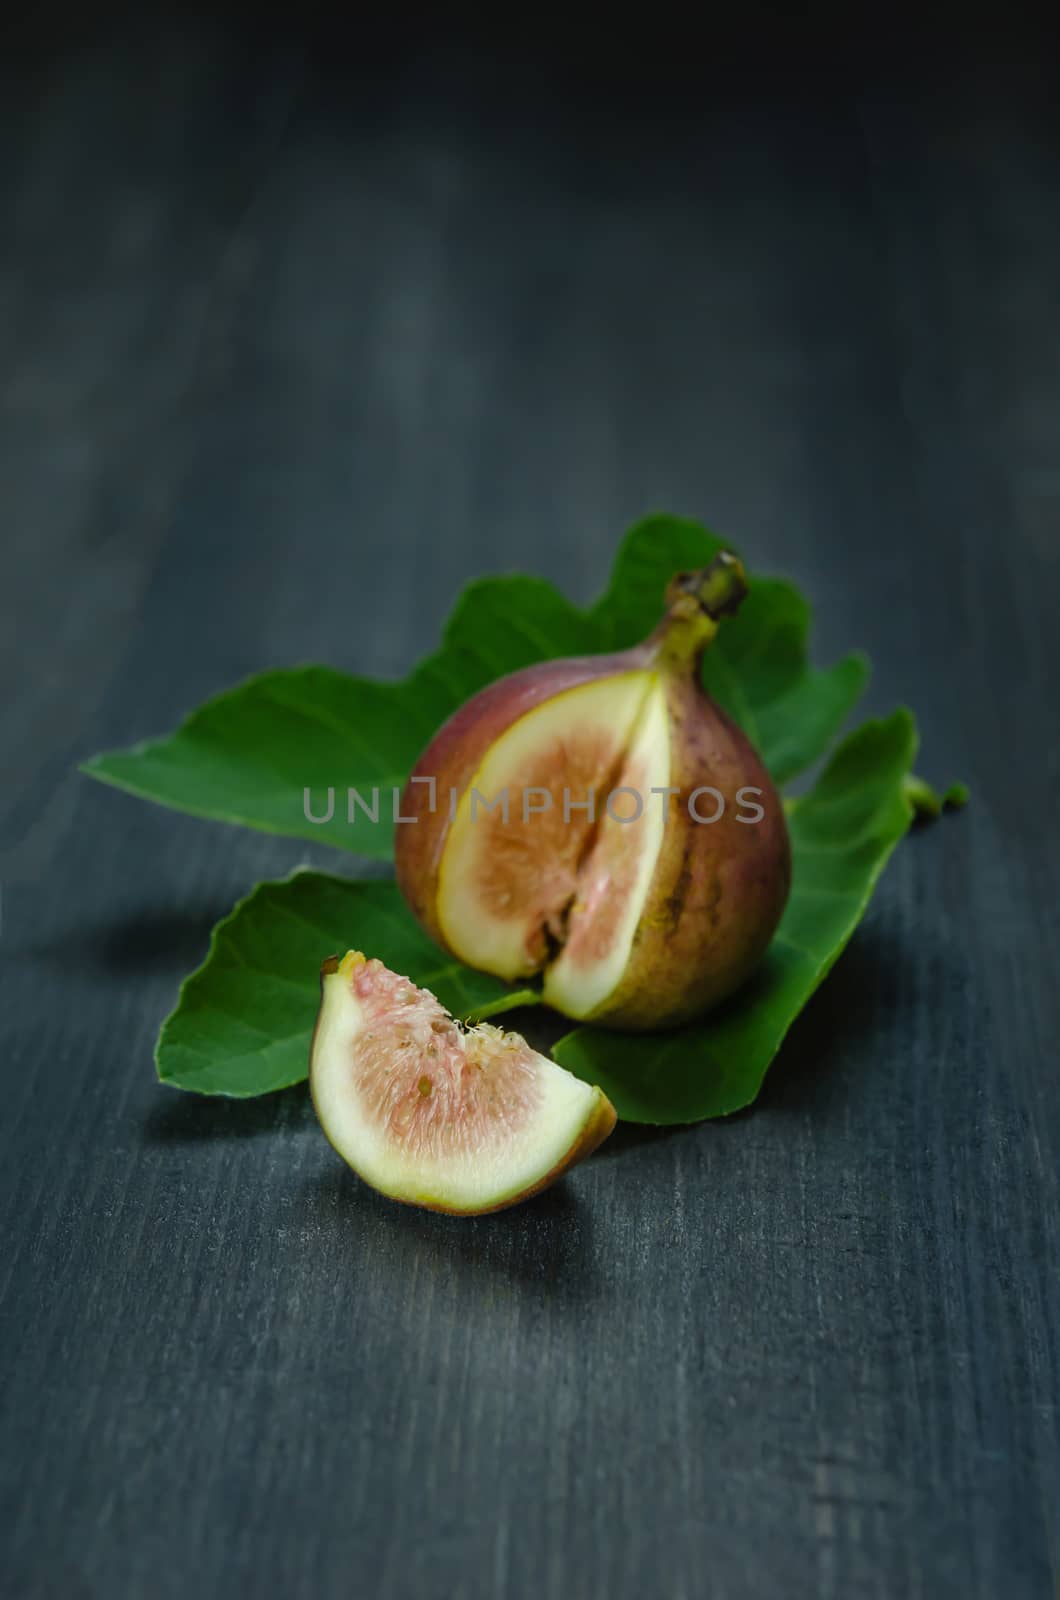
{"points": [[926, 802], [504, 1002]]}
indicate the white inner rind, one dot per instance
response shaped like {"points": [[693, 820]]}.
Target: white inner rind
{"points": [[494, 943], [578, 989], [504, 1164], [632, 708]]}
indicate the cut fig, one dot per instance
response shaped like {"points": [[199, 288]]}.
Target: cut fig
{"points": [[567, 823], [430, 1112], [510, 873]]}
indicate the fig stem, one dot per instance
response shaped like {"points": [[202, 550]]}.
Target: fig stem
{"points": [[721, 587], [696, 602]]}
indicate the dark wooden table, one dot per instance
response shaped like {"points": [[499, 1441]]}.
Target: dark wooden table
{"points": [[295, 342]]}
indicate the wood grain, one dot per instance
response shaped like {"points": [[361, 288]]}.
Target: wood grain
{"points": [[290, 348]]}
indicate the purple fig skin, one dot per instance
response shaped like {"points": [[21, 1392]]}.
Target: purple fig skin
{"points": [[718, 889]]}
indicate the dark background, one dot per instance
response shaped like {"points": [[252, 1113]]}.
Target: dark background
{"points": [[299, 331]]}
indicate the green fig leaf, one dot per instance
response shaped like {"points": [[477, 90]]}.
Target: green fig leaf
{"points": [[842, 833], [281, 751], [244, 1020], [266, 754]]}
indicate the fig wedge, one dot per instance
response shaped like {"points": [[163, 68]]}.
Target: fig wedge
{"points": [[436, 1114]]}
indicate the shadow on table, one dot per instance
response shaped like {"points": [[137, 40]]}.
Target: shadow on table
{"points": [[546, 1242], [846, 1010], [181, 1118], [637, 1135], [144, 942]]}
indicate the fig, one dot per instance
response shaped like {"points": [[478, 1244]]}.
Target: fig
{"points": [[434, 1113], [601, 822]]}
